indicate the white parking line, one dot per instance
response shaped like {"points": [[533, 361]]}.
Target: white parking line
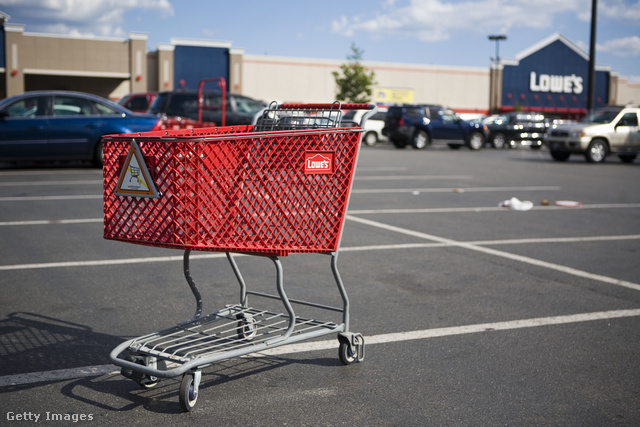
{"points": [[451, 190], [402, 246], [492, 209], [381, 168], [502, 254], [52, 221], [363, 212], [41, 183], [356, 191], [410, 177], [47, 198], [94, 263], [93, 371], [95, 171]]}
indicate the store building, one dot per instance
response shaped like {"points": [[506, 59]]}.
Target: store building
{"points": [[550, 76]]}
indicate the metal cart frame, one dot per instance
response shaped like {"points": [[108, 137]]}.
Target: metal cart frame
{"points": [[237, 329]]}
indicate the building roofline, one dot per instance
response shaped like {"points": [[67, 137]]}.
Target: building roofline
{"points": [[547, 41], [200, 43]]}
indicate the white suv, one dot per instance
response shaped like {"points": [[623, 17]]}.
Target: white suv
{"points": [[372, 127], [608, 130]]}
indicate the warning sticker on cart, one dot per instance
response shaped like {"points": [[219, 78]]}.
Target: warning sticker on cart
{"points": [[318, 162], [135, 179]]}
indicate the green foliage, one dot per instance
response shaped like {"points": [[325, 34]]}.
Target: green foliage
{"points": [[355, 82]]}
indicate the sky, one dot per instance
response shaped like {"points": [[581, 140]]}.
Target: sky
{"points": [[436, 32]]}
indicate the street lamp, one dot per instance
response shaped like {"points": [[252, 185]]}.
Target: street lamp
{"points": [[495, 79], [497, 38]]}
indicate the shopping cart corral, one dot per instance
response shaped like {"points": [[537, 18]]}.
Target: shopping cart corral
{"points": [[277, 187]]}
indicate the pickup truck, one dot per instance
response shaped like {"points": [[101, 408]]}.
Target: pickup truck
{"points": [[612, 129], [422, 125]]}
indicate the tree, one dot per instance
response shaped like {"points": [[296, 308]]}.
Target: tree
{"points": [[354, 85]]}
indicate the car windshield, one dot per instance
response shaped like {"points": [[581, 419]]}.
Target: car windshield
{"points": [[349, 115], [247, 105], [180, 104], [602, 116]]}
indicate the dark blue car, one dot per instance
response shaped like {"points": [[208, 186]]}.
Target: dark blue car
{"points": [[421, 125], [63, 125]]}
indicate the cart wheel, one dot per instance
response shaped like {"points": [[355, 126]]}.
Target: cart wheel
{"points": [[145, 381], [188, 393], [347, 356], [247, 327], [149, 382]]}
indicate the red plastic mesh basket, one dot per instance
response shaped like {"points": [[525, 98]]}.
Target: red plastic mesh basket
{"points": [[234, 190]]}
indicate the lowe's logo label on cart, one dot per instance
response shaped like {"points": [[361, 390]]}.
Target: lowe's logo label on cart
{"points": [[318, 162]]}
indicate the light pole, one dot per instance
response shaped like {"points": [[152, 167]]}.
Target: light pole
{"points": [[592, 58], [497, 38], [495, 79]]}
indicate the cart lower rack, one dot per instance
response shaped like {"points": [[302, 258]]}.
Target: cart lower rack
{"points": [[277, 187]]}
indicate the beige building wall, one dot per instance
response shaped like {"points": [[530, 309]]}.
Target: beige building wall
{"points": [[234, 85], [137, 63], [284, 79], [464, 89], [311, 80], [627, 92], [108, 67], [14, 73], [164, 68]]}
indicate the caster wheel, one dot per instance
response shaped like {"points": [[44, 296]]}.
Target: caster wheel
{"points": [[143, 380], [247, 327], [346, 355], [188, 393]]}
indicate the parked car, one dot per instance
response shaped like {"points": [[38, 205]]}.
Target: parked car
{"points": [[63, 125], [137, 102], [421, 125], [180, 103], [612, 129], [518, 128], [372, 127]]}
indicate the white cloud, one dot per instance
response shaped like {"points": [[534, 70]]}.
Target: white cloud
{"points": [[627, 46], [82, 17], [619, 10], [433, 20]]}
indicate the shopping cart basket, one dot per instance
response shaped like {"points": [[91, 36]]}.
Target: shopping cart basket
{"points": [[276, 187]]}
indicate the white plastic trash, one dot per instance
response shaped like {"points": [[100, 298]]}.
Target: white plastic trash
{"points": [[516, 204]]}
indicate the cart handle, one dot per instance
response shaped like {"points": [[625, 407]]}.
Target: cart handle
{"points": [[373, 108], [333, 106]]}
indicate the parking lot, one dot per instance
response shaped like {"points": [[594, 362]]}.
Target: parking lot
{"points": [[473, 314]]}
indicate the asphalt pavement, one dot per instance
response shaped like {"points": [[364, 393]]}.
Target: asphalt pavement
{"points": [[473, 314]]}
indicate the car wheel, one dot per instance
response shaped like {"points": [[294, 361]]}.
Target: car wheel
{"points": [[476, 141], [98, 158], [560, 156], [597, 151], [420, 140], [370, 138], [499, 141]]}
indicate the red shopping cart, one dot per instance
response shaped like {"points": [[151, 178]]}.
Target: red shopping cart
{"points": [[276, 187]]}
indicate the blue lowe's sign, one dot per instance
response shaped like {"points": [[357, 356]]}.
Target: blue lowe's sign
{"points": [[551, 77]]}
